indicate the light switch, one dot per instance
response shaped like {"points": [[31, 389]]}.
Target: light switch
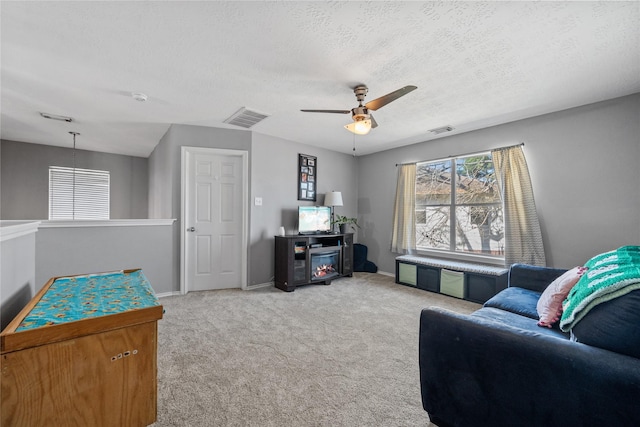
{"points": [[258, 201]]}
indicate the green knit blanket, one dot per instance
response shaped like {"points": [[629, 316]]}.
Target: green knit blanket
{"points": [[610, 275]]}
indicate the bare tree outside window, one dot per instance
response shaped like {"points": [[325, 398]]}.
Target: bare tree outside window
{"points": [[463, 192]]}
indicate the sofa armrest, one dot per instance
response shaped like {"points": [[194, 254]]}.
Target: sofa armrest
{"points": [[475, 371], [532, 277]]}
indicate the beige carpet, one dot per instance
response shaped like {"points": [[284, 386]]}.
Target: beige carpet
{"points": [[338, 355]]}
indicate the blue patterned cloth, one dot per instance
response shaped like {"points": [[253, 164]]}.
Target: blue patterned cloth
{"points": [[81, 297]]}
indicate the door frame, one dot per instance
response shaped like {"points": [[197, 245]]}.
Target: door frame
{"points": [[185, 153]]}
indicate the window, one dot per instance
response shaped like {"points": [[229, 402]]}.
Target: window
{"points": [[78, 193], [460, 191]]}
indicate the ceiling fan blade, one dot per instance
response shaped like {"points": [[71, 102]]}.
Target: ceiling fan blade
{"points": [[328, 111], [384, 100], [374, 124]]}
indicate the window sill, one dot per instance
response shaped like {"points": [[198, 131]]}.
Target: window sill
{"points": [[457, 256]]}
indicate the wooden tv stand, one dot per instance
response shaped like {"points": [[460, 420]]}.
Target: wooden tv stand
{"points": [[294, 254]]}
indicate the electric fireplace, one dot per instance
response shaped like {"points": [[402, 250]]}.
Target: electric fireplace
{"points": [[325, 265], [312, 259]]}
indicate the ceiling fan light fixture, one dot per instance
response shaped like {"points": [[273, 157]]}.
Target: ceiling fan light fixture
{"points": [[359, 127], [363, 121]]}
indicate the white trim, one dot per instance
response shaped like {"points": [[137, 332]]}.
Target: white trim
{"points": [[384, 273], [106, 223], [14, 229], [168, 294], [453, 205], [259, 285], [183, 188], [184, 164]]}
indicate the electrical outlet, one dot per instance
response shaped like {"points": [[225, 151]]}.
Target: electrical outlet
{"points": [[258, 201]]}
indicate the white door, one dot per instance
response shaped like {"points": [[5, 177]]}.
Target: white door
{"points": [[214, 219]]}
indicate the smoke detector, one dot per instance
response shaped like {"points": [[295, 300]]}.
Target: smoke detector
{"points": [[139, 96]]}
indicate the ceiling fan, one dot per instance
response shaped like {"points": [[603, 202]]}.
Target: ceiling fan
{"points": [[362, 120]]}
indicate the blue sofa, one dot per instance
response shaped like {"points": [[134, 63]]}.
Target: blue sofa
{"points": [[497, 367]]}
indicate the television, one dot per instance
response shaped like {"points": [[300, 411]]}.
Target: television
{"points": [[314, 219]]}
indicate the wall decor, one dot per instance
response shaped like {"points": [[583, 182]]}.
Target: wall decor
{"points": [[307, 177]]}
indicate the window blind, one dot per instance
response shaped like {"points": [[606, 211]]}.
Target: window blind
{"points": [[78, 193]]}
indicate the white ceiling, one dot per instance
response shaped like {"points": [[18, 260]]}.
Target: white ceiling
{"points": [[476, 64]]}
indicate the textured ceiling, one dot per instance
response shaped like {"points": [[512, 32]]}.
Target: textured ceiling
{"points": [[476, 64]]}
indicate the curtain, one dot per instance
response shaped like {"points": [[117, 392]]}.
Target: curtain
{"points": [[521, 225], [403, 237]]}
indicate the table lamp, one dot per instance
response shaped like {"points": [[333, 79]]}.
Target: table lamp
{"points": [[333, 199]]}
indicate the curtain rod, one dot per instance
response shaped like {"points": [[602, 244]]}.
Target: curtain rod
{"points": [[463, 155]]}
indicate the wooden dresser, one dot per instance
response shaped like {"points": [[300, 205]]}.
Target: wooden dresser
{"points": [[83, 352]]}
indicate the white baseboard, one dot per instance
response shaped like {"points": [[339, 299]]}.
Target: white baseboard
{"points": [[248, 288], [256, 286], [169, 294], [259, 285]]}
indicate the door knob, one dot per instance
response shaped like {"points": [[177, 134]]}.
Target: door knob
{"points": [[192, 229]]}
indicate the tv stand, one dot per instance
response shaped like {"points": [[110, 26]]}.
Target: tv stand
{"points": [[312, 259]]}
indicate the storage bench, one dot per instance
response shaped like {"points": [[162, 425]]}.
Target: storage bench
{"points": [[473, 282], [83, 352]]}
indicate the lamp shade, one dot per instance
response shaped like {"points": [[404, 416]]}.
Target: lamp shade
{"points": [[359, 127], [334, 198]]}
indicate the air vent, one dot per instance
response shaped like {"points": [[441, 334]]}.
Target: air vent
{"points": [[245, 118], [441, 130]]}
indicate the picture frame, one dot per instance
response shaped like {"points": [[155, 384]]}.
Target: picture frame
{"points": [[307, 177]]}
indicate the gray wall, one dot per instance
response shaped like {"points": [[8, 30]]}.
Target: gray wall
{"points": [[77, 250], [583, 162], [584, 167], [272, 176], [164, 162], [165, 173], [274, 168], [24, 179], [17, 276]]}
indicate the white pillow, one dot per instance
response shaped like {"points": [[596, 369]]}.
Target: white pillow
{"points": [[550, 303]]}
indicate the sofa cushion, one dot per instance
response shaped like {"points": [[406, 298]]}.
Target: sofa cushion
{"points": [[532, 277], [549, 305], [515, 320], [516, 300], [613, 325]]}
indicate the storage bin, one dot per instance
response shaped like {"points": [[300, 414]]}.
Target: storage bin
{"points": [[452, 283], [407, 273], [429, 278]]}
